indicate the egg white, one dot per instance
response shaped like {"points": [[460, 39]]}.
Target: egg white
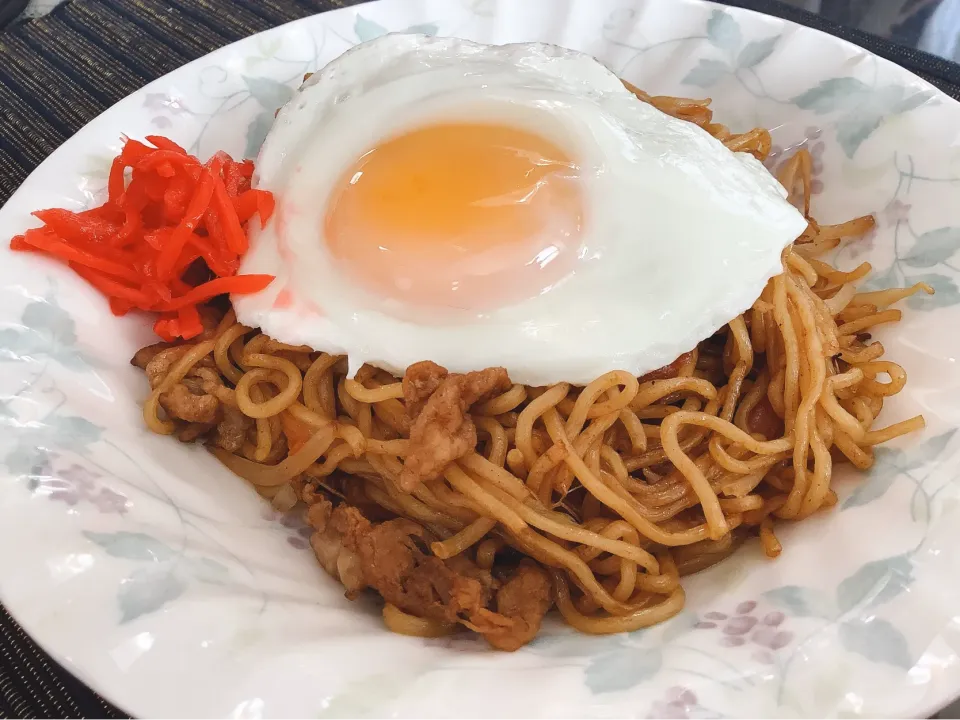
{"points": [[680, 234]]}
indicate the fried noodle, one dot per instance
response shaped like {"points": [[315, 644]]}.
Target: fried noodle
{"points": [[594, 500]]}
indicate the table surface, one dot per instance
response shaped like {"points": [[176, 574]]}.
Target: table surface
{"points": [[929, 25]]}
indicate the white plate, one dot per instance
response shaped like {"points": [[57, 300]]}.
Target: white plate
{"points": [[167, 585]]}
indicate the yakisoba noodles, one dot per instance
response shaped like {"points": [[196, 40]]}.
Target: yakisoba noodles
{"points": [[593, 500]]}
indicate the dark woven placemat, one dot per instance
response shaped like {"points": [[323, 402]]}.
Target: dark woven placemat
{"points": [[59, 72]]}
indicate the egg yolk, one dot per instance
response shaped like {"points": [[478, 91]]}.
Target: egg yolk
{"points": [[458, 215]]}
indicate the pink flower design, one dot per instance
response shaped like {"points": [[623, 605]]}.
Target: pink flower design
{"points": [[740, 625], [676, 705], [748, 626], [297, 542], [298, 532], [730, 641], [74, 484], [162, 102], [863, 245], [108, 501], [773, 158], [771, 638], [680, 702], [896, 211]]}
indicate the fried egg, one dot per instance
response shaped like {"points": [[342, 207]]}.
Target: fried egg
{"points": [[508, 206]]}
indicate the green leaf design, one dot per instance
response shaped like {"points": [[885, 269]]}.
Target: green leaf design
{"points": [[875, 582], [920, 507], [899, 461], [208, 570], [622, 669], [757, 51], [62, 432], [678, 626], [800, 601], [881, 478], [933, 247], [367, 29], [72, 432], [571, 645], [51, 320], [47, 331], [878, 281], [915, 100], [25, 459], [832, 95], [271, 95], [863, 108], [946, 292], [879, 105], [367, 696], [257, 133], [876, 639], [872, 489], [18, 345], [853, 130], [147, 590], [706, 73], [932, 448], [481, 8], [430, 29], [131, 546], [723, 31]]}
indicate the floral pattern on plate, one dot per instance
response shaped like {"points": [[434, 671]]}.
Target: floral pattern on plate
{"points": [[138, 558]]}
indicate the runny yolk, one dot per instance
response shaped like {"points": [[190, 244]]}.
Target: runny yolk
{"points": [[458, 215]]}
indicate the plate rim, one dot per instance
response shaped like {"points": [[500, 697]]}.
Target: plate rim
{"points": [[99, 685]]}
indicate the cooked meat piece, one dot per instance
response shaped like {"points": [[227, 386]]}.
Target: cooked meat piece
{"points": [[188, 400], [763, 419], [312, 493], [194, 384], [182, 404], [146, 354], [618, 439], [420, 382], [443, 437], [524, 599], [391, 558], [210, 318], [393, 564], [319, 512], [327, 543], [443, 431], [192, 431], [232, 429], [160, 364], [211, 383], [667, 372]]}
